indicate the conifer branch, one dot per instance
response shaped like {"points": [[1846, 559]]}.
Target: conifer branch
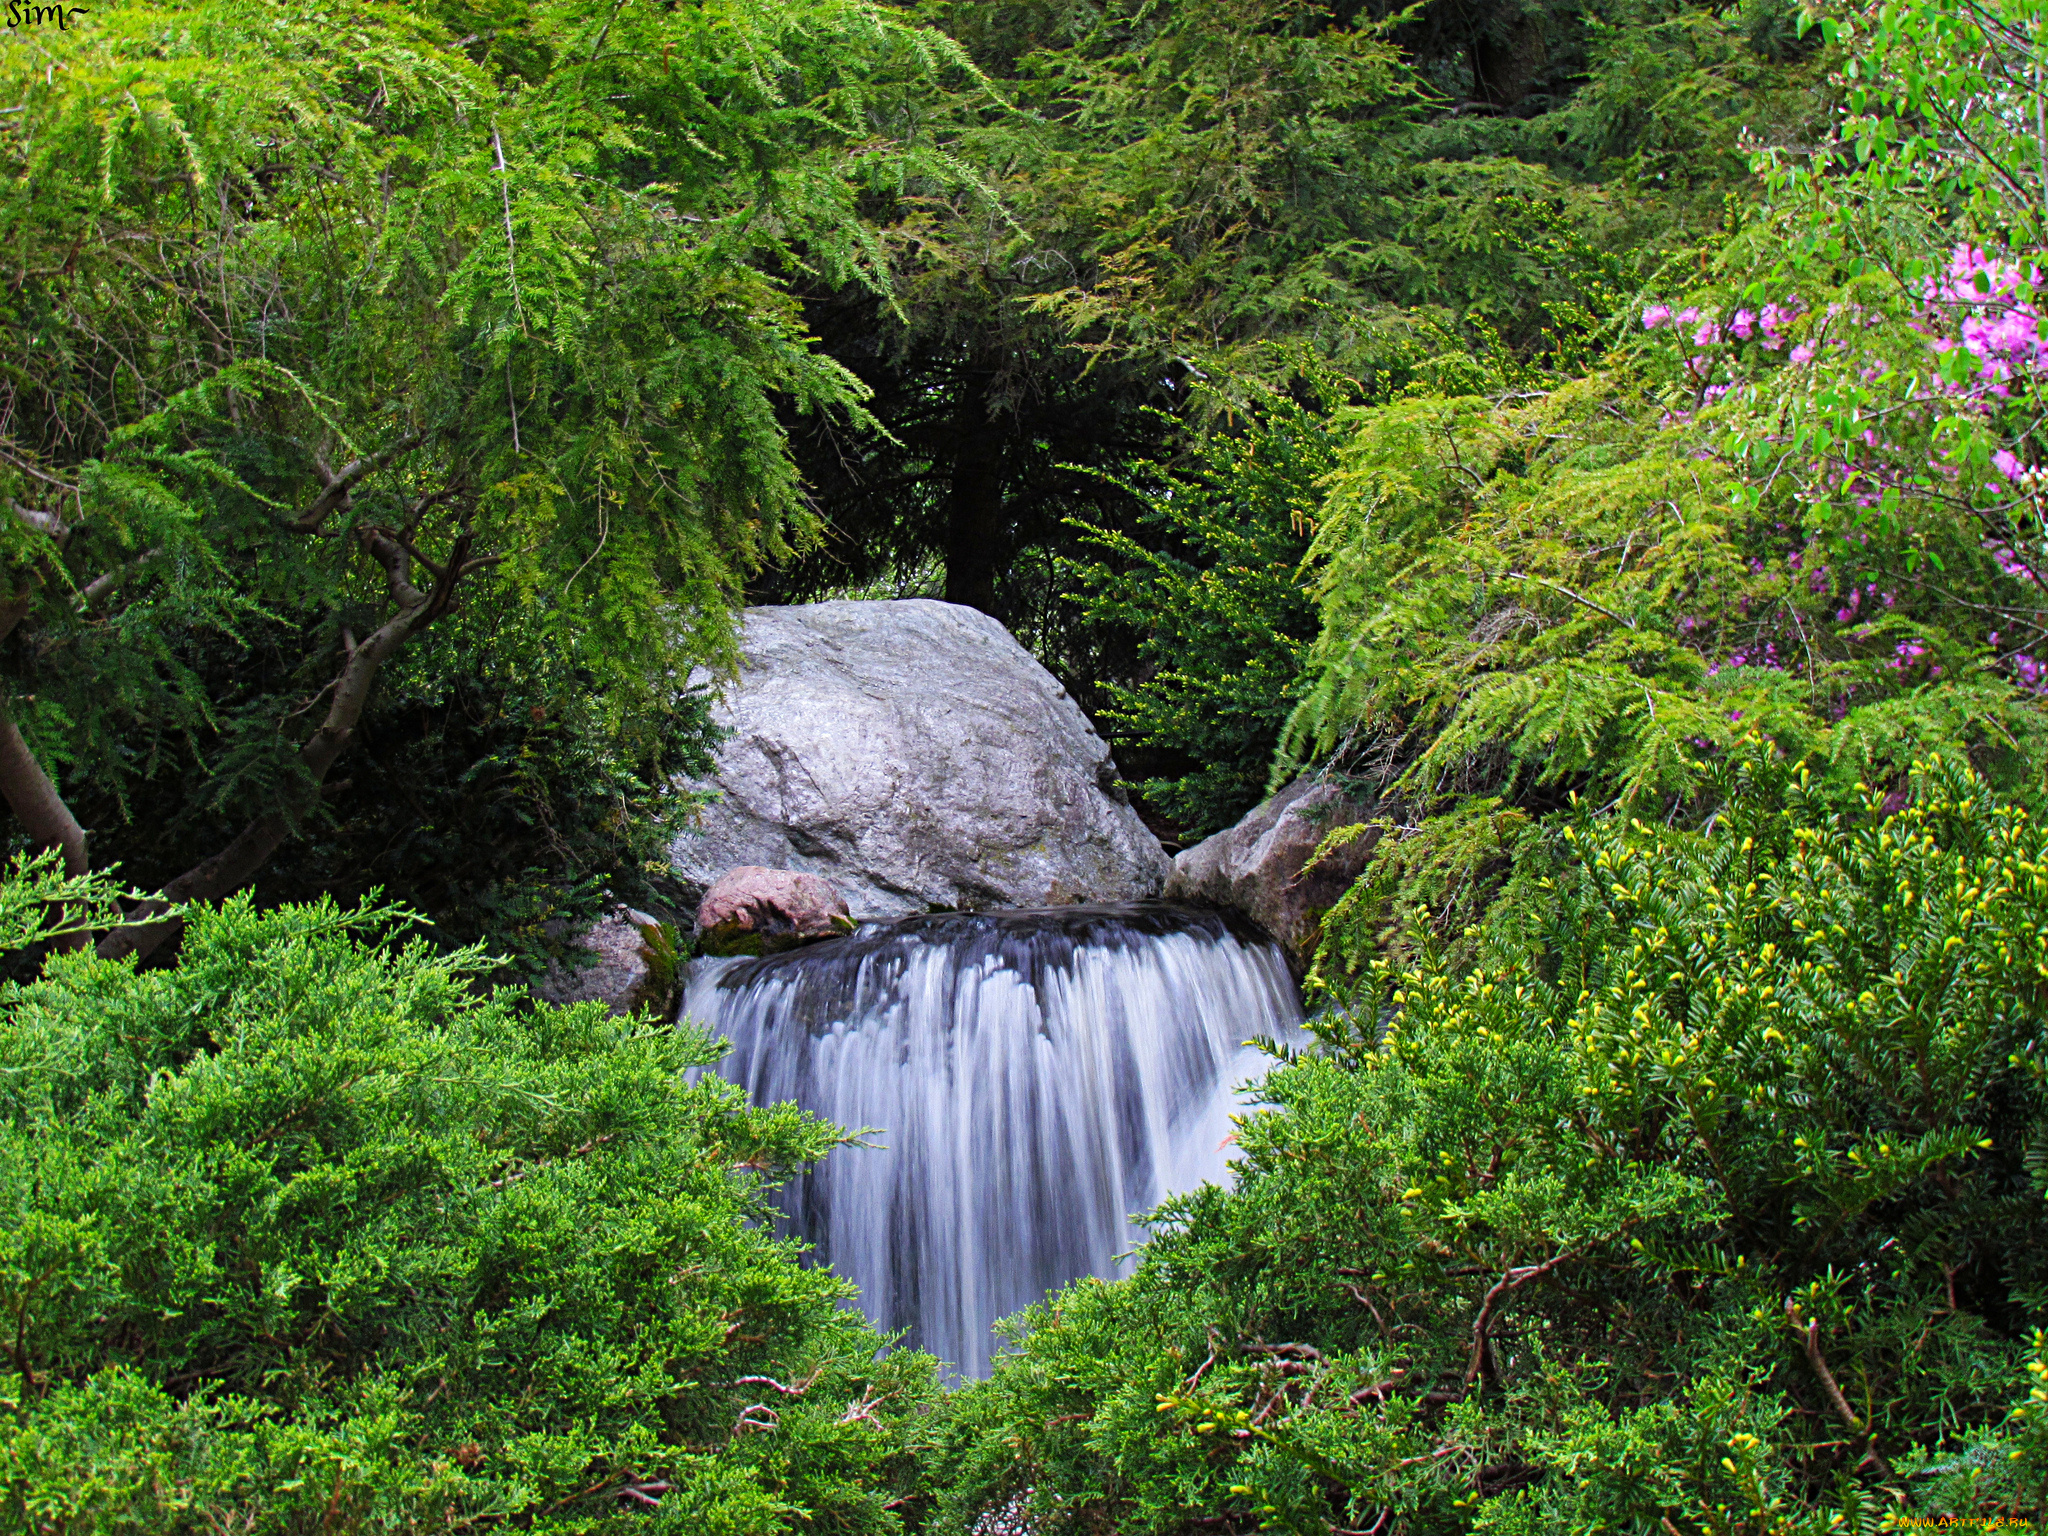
{"points": [[336, 488], [104, 583], [1575, 597], [235, 865]]}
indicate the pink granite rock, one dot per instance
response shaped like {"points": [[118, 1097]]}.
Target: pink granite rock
{"points": [[757, 911]]}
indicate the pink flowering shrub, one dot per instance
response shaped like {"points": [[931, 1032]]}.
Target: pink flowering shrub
{"points": [[1923, 409]]}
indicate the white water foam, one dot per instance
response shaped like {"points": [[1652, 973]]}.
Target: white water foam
{"points": [[1037, 1077]]}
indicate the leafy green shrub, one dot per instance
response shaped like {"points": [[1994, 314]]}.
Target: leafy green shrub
{"points": [[1214, 587], [1715, 1209], [303, 1235]]}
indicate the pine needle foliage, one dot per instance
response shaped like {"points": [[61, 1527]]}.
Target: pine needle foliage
{"points": [[1717, 1207], [304, 1234]]}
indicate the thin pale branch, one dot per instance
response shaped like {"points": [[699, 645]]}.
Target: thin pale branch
{"points": [[335, 493]]}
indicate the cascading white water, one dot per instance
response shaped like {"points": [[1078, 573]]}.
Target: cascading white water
{"points": [[1037, 1076]]}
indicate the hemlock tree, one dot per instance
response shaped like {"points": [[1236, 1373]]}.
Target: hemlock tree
{"points": [[1180, 186], [364, 316]]}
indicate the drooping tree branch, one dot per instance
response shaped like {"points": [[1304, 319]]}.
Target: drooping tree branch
{"points": [[235, 865], [48, 820]]}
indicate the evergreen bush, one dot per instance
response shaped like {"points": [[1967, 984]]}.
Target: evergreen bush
{"points": [[1716, 1208], [1215, 588], [304, 1235]]}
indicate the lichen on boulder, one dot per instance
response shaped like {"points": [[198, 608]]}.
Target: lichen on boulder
{"points": [[633, 965]]}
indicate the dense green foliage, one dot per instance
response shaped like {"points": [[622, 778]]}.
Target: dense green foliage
{"points": [[1204, 203], [1555, 418], [1790, 488], [1215, 591], [1717, 1209], [462, 333], [338, 324], [303, 1235]]}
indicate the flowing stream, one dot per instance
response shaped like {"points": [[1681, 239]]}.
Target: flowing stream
{"points": [[1037, 1077]]}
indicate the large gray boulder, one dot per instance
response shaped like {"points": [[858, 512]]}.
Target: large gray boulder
{"points": [[914, 754], [1255, 868]]}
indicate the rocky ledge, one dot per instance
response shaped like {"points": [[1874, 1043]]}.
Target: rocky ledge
{"points": [[1256, 867]]}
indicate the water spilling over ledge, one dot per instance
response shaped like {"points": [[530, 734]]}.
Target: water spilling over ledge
{"points": [[1038, 1077]]}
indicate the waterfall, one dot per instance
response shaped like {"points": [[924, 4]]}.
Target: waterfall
{"points": [[1037, 1077]]}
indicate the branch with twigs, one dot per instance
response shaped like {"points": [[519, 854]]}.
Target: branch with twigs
{"points": [[775, 1386], [1577, 597], [337, 486], [1808, 1330], [1479, 1363], [153, 924]]}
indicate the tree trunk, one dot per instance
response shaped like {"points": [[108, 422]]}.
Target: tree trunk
{"points": [[1503, 69], [974, 505], [41, 810], [34, 799]]}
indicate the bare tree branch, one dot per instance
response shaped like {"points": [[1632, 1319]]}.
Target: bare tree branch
{"points": [[1574, 596], [106, 581], [42, 522], [1809, 1342], [335, 492], [1480, 1361]]}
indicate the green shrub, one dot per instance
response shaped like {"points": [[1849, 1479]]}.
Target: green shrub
{"points": [[305, 1236], [1715, 1207], [1215, 589]]}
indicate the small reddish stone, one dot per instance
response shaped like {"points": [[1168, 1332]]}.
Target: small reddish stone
{"points": [[755, 911]]}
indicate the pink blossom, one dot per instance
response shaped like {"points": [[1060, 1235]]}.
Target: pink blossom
{"points": [[1773, 322]]}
